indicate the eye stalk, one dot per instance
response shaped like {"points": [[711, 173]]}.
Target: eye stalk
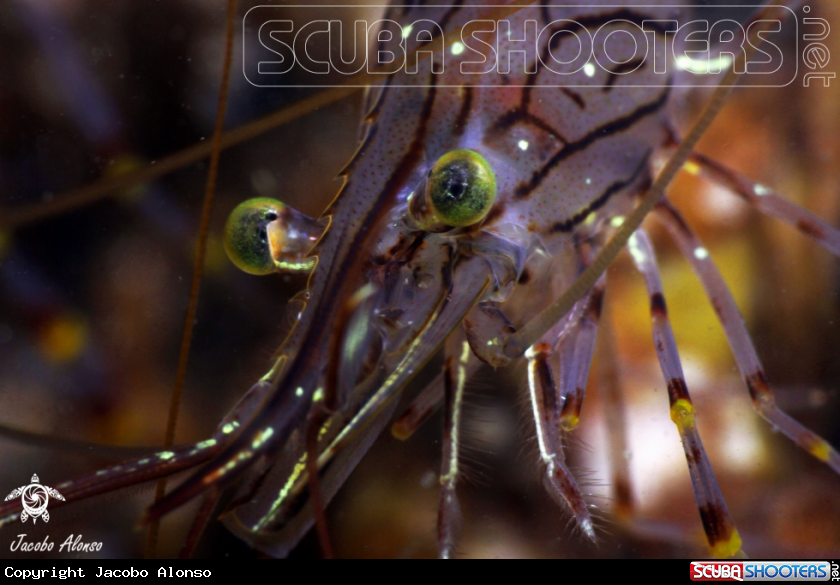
{"points": [[460, 190], [263, 235]]}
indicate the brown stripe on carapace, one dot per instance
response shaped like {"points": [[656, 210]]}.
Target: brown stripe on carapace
{"points": [[678, 390], [581, 23], [521, 115], [596, 21], [657, 305], [604, 131], [621, 69], [570, 224], [716, 523], [757, 385], [545, 14], [575, 97], [464, 113]]}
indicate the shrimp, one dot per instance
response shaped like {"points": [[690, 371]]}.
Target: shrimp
{"points": [[492, 278]]}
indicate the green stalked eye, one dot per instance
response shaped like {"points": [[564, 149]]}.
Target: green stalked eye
{"points": [[246, 235], [263, 235], [461, 188]]}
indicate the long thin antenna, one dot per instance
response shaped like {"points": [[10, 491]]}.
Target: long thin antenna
{"points": [[198, 266], [109, 186]]}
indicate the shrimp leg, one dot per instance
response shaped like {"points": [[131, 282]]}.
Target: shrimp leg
{"points": [[455, 374], [721, 534], [559, 481], [576, 370], [766, 201], [609, 386], [739, 340], [420, 409]]}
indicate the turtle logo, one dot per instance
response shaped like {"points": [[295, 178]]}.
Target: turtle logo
{"points": [[34, 498]]}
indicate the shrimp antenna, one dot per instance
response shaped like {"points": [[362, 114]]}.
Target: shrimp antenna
{"points": [[518, 343], [198, 266], [110, 186]]}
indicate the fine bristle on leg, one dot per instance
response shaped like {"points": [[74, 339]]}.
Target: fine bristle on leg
{"points": [[721, 534], [740, 342], [609, 387], [544, 400]]}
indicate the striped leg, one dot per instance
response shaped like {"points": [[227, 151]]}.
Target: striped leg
{"points": [[575, 371], [723, 538], [739, 340], [767, 201], [454, 380], [544, 400]]}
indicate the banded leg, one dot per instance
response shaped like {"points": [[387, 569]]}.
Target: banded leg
{"points": [[454, 380], [575, 371], [739, 340], [721, 534], [767, 201], [544, 400], [573, 337]]}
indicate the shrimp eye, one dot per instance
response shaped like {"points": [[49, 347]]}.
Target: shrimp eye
{"points": [[264, 235], [246, 236], [461, 188]]}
